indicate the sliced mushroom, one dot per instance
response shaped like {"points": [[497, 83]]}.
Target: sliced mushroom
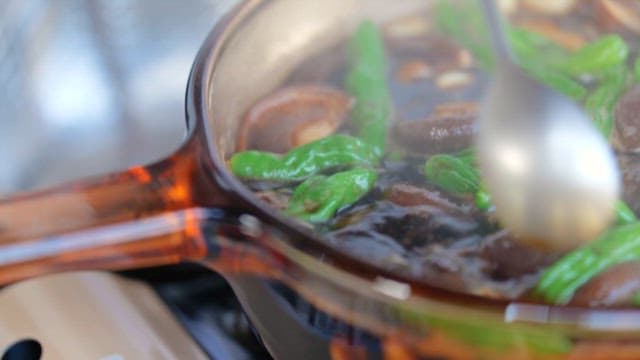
{"points": [[550, 7], [413, 70], [614, 286], [409, 195], [453, 80], [616, 13], [627, 121], [630, 168], [508, 6], [409, 26], [291, 117], [508, 258], [568, 40], [438, 52], [449, 128], [276, 199]]}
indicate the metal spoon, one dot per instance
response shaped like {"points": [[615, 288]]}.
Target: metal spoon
{"points": [[552, 177]]}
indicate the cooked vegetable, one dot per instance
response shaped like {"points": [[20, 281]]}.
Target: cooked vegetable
{"points": [[483, 200], [366, 82], [551, 30], [331, 152], [532, 48], [541, 58], [291, 117], [619, 13], [426, 212], [627, 121], [318, 198], [551, 7], [562, 279], [629, 165], [613, 287], [601, 102], [624, 215], [635, 300], [472, 33], [557, 81], [452, 174], [598, 56], [450, 127]]}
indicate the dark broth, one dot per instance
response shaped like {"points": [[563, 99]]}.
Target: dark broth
{"points": [[409, 225]]}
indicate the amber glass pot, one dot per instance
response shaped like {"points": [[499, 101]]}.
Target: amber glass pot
{"points": [[188, 207]]}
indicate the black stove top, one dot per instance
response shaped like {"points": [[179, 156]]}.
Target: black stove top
{"points": [[205, 305]]}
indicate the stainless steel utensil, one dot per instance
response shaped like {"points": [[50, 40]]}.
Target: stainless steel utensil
{"points": [[552, 177]]}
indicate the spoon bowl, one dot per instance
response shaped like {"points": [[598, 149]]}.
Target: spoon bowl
{"points": [[552, 177]]}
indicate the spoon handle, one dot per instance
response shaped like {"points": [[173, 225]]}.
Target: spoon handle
{"points": [[496, 30]]}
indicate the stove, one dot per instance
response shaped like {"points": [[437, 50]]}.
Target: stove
{"points": [[209, 310], [206, 307]]}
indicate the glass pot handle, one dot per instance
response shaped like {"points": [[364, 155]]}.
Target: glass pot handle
{"points": [[141, 217]]}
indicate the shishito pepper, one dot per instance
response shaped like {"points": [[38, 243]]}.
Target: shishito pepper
{"points": [[366, 82], [559, 282], [327, 153], [597, 56], [600, 104], [318, 198], [624, 214], [452, 173]]}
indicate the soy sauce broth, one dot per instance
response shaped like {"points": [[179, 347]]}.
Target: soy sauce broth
{"points": [[405, 222]]}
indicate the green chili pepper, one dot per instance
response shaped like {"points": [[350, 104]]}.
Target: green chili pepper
{"points": [[540, 57], [452, 174], [468, 156], [598, 56], [318, 198], [635, 300], [624, 214], [555, 80], [306, 160], [559, 282], [487, 333], [601, 102], [483, 200], [533, 48], [366, 81], [636, 70]]}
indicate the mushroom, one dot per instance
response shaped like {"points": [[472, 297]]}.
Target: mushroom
{"points": [[409, 26], [613, 13], [409, 195], [413, 70], [453, 80], [291, 117], [614, 286], [630, 169], [508, 6], [550, 7], [569, 40], [450, 127], [627, 121], [508, 258], [439, 53]]}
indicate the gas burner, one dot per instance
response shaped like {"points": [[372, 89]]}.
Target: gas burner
{"points": [[211, 313], [205, 305]]}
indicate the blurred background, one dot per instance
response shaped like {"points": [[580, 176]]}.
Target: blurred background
{"points": [[94, 86], [89, 87]]}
